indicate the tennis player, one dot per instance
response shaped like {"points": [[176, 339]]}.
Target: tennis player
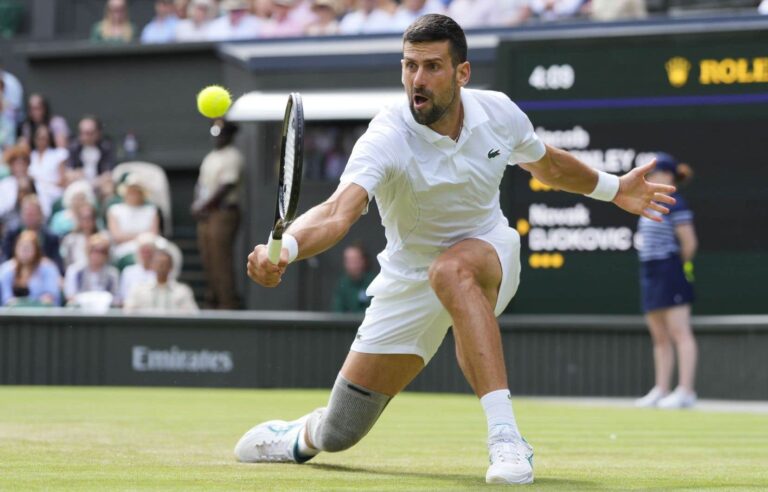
{"points": [[434, 164]]}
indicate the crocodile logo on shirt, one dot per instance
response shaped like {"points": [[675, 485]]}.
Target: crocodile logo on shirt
{"points": [[493, 153]]}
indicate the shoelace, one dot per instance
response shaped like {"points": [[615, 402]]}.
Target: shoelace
{"points": [[505, 450], [274, 450], [270, 451]]}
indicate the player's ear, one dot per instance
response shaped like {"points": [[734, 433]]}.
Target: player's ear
{"points": [[463, 73], [402, 72]]}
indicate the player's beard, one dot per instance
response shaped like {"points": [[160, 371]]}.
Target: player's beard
{"points": [[437, 111]]}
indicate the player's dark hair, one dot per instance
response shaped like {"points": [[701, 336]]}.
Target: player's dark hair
{"points": [[436, 27]]}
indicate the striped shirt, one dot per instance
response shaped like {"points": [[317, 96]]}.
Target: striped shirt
{"points": [[657, 240]]}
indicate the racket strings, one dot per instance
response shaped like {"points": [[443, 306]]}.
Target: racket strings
{"points": [[288, 163]]}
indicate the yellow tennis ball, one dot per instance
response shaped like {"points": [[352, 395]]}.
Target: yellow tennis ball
{"points": [[213, 101]]}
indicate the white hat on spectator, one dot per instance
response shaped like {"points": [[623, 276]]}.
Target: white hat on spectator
{"points": [[80, 187], [132, 180], [228, 5], [165, 246], [146, 238]]}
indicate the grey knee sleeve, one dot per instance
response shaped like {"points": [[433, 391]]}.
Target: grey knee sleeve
{"points": [[352, 411]]}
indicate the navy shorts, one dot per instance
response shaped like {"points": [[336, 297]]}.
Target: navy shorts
{"points": [[663, 284]]}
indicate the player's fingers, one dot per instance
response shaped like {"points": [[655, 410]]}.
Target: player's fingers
{"points": [[661, 197], [283, 262], [646, 168], [658, 208], [662, 188], [648, 215]]}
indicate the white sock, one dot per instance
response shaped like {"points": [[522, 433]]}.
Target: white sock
{"points": [[498, 410], [304, 449]]}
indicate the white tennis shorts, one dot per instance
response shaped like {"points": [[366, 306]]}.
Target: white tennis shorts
{"points": [[406, 317]]}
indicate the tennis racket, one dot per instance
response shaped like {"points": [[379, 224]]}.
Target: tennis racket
{"points": [[290, 173]]}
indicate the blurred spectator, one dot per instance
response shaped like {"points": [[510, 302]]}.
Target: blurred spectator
{"points": [[350, 296], [74, 245], [14, 94], [14, 188], [76, 194], [164, 295], [32, 220], [135, 215], [489, 13], [140, 272], [611, 10], [763, 8], [217, 211], [39, 114], [370, 16], [666, 250], [261, 9], [326, 21], [182, 9], [7, 120], [236, 23], [96, 274], [161, 29], [410, 10], [92, 156], [47, 168], [116, 26], [552, 10], [281, 23], [195, 27], [29, 279], [302, 13]]}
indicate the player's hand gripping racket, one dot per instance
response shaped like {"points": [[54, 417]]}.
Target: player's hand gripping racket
{"points": [[290, 173]]}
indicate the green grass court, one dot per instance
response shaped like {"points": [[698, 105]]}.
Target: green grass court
{"points": [[182, 439]]}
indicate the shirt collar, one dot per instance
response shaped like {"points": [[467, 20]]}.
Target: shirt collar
{"points": [[474, 115]]}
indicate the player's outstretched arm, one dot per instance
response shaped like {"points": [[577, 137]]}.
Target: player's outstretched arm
{"points": [[317, 230], [634, 193]]}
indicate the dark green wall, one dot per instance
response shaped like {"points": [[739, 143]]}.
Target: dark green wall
{"points": [[545, 355]]}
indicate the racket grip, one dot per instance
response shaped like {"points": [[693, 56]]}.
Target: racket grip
{"points": [[274, 247]]}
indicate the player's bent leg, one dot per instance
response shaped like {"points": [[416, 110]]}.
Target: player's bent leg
{"points": [[352, 411], [362, 390], [366, 384], [467, 278]]}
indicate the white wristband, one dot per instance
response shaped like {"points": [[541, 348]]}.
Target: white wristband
{"points": [[289, 243], [607, 187]]}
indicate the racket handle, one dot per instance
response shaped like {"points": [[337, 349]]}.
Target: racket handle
{"points": [[274, 248]]}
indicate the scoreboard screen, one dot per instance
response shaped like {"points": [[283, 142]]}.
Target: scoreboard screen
{"points": [[614, 102]]}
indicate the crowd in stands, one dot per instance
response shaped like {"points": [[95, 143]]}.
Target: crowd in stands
{"points": [[220, 20], [70, 228]]}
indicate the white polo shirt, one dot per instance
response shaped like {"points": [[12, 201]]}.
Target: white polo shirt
{"points": [[431, 191]]}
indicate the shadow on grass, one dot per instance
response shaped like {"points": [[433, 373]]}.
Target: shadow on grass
{"points": [[464, 480]]}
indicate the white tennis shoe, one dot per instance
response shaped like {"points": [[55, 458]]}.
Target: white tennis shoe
{"points": [[511, 457], [651, 399], [680, 398], [275, 441]]}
